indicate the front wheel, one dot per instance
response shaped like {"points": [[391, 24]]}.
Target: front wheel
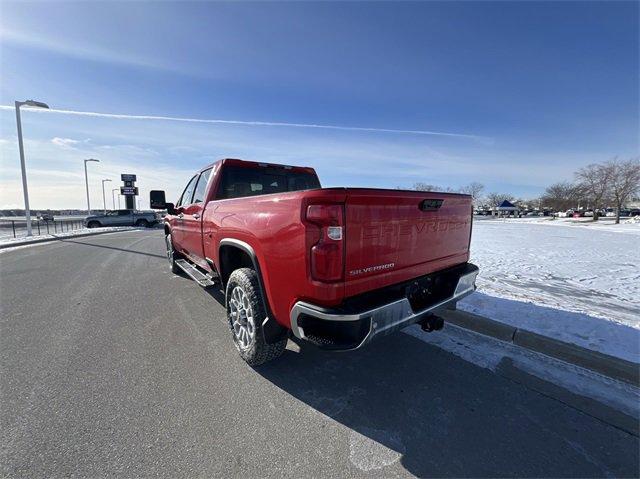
{"points": [[171, 254], [245, 314], [142, 223], [93, 224]]}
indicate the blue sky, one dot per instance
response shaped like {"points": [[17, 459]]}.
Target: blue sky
{"points": [[539, 90]]}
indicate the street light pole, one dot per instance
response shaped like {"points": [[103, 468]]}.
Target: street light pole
{"points": [[113, 197], [18, 104], [104, 198], [86, 183]]}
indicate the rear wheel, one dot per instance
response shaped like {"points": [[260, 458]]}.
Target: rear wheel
{"points": [[171, 254], [245, 314], [142, 223]]}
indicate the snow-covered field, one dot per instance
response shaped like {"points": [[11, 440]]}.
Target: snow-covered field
{"points": [[574, 281]]}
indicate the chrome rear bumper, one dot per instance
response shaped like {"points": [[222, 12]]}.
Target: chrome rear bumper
{"points": [[378, 321]]}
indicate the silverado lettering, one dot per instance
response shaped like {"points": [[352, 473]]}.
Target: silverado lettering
{"points": [[370, 269], [404, 229]]}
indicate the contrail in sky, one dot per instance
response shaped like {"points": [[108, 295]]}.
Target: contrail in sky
{"points": [[247, 123]]}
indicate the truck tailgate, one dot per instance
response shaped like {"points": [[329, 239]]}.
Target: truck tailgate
{"points": [[393, 236]]}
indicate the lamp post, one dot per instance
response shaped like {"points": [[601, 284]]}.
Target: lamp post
{"points": [[86, 183], [104, 199], [18, 104], [113, 197]]}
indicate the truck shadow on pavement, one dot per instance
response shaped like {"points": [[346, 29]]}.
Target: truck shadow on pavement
{"points": [[405, 400], [124, 250]]}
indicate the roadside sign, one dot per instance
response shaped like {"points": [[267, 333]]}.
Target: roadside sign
{"points": [[128, 190], [125, 177]]}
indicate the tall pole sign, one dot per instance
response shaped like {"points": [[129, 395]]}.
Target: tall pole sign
{"points": [[129, 190]]}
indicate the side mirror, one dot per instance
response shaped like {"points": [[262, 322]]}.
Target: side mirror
{"points": [[157, 201]]}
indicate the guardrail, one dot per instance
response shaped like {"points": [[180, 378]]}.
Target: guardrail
{"points": [[18, 228]]}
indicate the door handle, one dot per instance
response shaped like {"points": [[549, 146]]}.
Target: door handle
{"points": [[196, 215], [180, 216]]}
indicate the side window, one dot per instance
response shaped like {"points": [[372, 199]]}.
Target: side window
{"points": [[198, 196], [185, 199], [123, 212]]}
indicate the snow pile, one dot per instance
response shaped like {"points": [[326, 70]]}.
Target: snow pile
{"points": [[575, 283]]}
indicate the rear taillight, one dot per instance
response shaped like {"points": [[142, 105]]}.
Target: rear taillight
{"points": [[327, 253]]}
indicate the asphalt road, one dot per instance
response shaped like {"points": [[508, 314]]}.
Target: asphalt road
{"points": [[113, 366]]}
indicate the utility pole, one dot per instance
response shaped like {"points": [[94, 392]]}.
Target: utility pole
{"points": [[104, 200], [18, 104], [113, 198], [86, 183]]}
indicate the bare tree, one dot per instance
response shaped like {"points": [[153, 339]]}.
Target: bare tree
{"points": [[494, 199], [474, 189], [595, 179], [561, 196], [420, 186], [624, 181]]}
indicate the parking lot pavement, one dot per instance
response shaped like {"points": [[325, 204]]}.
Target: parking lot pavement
{"points": [[111, 365]]}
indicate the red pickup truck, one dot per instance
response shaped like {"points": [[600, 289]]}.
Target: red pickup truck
{"points": [[335, 267]]}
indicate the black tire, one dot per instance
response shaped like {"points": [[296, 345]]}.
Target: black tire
{"points": [[171, 254], [142, 223], [255, 350], [93, 224]]}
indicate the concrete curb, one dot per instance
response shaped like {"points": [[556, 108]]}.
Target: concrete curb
{"points": [[58, 238], [604, 364]]}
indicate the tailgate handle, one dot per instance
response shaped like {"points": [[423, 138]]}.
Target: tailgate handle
{"points": [[430, 204]]}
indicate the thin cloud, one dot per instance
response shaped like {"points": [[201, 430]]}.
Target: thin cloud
{"points": [[64, 142], [253, 123], [94, 53]]}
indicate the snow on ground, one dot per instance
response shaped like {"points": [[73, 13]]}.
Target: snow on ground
{"points": [[571, 280]]}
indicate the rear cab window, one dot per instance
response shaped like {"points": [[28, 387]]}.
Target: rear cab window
{"points": [[238, 181]]}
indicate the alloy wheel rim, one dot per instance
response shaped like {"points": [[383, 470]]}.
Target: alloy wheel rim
{"points": [[242, 321]]}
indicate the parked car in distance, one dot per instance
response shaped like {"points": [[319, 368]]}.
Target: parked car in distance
{"points": [[634, 212], [46, 217], [121, 218], [330, 267]]}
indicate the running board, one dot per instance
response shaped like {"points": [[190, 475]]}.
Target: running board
{"points": [[194, 273]]}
